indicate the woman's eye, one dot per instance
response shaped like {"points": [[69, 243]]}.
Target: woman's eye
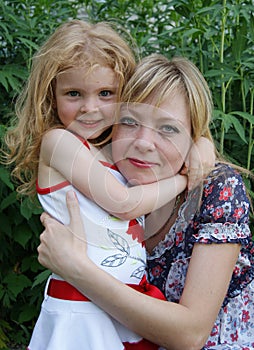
{"points": [[169, 129], [105, 93], [73, 93], [128, 121]]}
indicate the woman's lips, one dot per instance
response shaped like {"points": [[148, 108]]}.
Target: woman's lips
{"points": [[140, 163]]}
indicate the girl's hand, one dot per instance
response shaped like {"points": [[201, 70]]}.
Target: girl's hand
{"points": [[60, 244], [200, 161]]}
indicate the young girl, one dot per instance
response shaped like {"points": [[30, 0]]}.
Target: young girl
{"points": [[71, 97], [202, 258]]}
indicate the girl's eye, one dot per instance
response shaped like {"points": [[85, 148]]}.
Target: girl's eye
{"points": [[73, 93], [128, 121], [105, 93], [169, 129]]}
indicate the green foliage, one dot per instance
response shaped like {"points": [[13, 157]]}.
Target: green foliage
{"points": [[216, 35], [24, 25]]}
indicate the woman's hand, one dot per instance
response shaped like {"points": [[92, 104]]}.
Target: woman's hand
{"points": [[61, 244]]}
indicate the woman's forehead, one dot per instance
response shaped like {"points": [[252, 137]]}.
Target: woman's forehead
{"points": [[171, 109]]}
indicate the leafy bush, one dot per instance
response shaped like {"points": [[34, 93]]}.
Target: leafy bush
{"points": [[216, 35]]}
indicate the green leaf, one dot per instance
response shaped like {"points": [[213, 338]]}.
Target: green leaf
{"points": [[41, 278], [190, 32], [22, 235], [28, 313], [25, 208], [238, 127], [247, 116], [16, 283], [5, 177], [9, 200]]}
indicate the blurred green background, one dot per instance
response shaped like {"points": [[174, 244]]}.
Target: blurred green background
{"points": [[218, 36]]}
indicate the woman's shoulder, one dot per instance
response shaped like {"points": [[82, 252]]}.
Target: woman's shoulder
{"points": [[225, 175], [224, 194], [223, 170], [223, 215]]}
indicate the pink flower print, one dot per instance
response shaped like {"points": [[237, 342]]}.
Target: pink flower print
{"points": [[238, 212], [179, 238], [214, 331], [136, 230], [208, 190], [156, 271], [225, 193], [245, 316], [234, 336], [210, 343], [218, 213], [246, 299], [237, 271]]}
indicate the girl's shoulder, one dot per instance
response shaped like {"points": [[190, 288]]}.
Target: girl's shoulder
{"points": [[55, 135]]}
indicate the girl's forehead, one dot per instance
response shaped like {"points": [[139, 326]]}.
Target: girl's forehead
{"points": [[86, 69]]}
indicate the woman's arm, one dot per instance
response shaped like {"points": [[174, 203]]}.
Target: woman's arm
{"points": [[186, 325], [64, 152]]}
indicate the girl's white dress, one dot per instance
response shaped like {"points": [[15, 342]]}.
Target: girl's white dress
{"points": [[116, 247]]}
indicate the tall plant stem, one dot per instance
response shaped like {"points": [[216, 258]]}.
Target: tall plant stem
{"points": [[251, 141], [223, 88]]}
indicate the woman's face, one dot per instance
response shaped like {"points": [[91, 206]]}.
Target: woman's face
{"points": [[152, 143]]}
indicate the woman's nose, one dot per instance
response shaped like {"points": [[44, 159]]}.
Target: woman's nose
{"points": [[144, 140]]}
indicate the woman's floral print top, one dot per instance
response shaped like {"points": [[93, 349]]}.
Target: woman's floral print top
{"points": [[222, 218]]}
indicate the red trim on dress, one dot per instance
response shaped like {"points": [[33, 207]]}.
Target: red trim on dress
{"points": [[63, 184], [50, 189], [108, 165]]}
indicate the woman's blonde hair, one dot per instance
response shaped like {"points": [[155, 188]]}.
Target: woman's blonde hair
{"points": [[157, 78], [74, 44]]}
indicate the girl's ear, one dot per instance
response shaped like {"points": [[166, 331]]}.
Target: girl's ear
{"points": [[54, 103]]}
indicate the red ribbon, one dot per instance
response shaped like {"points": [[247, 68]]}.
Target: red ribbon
{"points": [[63, 290]]}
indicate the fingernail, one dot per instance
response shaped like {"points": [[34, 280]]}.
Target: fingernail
{"points": [[71, 194]]}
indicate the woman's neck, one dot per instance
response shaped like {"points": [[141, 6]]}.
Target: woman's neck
{"points": [[158, 223]]}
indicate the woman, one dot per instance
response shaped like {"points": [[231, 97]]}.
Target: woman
{"points": [[201, 255]]}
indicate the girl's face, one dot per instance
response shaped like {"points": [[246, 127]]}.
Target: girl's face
{"points": [[85, 100], [152, 143]]}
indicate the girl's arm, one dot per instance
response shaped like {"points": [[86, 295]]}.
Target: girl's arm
{"points": [[186, 325], [64, 152]]}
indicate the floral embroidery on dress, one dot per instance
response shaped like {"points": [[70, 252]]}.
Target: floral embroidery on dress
{"points": [[222, 218], [118, 259]]}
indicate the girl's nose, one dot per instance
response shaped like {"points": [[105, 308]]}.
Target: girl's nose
{"points": [[89, 105], [144, 140]]}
